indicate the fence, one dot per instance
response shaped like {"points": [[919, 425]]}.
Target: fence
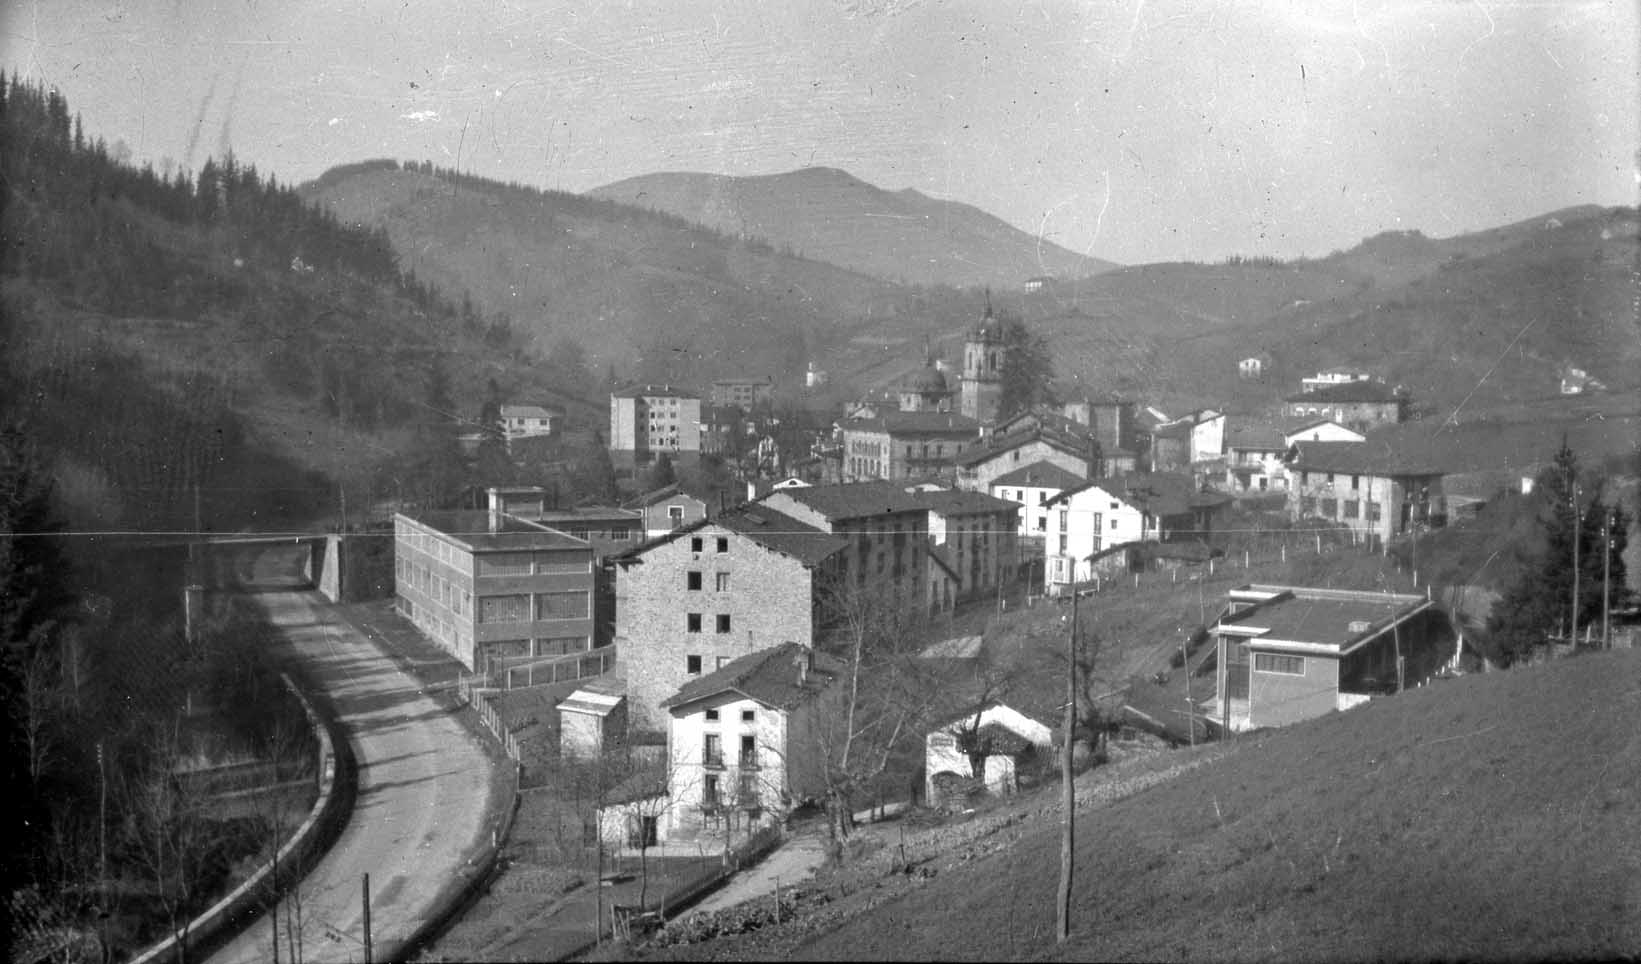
{"points": [[545, 670], [471, 693], [627, 921]]}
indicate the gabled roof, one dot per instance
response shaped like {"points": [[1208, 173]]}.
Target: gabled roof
{"points": [[1346, 392], [528, 411], [770, 676], [916, 423], [1041, 474], [1160, 493], [852, 500], [772, 530], [1376, 455], [963, 502], [1002, 445], [662, 494]]}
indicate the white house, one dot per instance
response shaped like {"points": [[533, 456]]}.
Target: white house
{"points": [[1339, 375], [1251, 367], [747, 741], [1256, 448], [1086, 520], [1003, 737], [1032, 487], [526, 421]]}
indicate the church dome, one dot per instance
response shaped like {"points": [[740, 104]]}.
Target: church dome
{"points": [[928, 381]]}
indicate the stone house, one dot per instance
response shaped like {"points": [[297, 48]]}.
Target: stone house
{"points": [[699, 597], [1359, 405], [1256, 448], [1368, 487], [886, 528]]}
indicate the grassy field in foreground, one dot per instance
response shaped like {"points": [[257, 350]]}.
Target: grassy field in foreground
{"points": [[1490, 817]]}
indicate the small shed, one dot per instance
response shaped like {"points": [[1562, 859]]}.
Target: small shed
{"points": [[592, 720], [1001, 735]]}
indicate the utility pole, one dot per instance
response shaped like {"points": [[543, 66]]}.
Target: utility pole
{"points": [[1578, 536], [1606, 578], [1068, 795], [365, 903]]}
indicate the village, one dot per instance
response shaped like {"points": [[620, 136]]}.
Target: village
{"points": [[714, 663]]}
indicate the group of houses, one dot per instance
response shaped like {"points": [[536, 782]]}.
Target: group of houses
{"points": [[703, 622]]}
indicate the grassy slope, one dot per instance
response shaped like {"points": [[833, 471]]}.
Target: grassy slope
{"points": [[1490, 817], [830, 215]]}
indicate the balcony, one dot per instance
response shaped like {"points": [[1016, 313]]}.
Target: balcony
{"points": [[748, 761], [712, 761]]}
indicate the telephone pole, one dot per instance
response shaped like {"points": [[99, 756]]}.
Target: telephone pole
{"points": [[1068, 794], [1606, 578], [1578, 536]]}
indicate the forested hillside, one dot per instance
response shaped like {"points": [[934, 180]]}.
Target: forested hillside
{"points": [[215, 347]]}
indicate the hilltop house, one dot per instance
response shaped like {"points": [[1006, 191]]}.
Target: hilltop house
{"points": [[1373, 488], [703, 595], [1289, 653], [527, 421], [743, 393], [494, 590], [1338, 375], [1360, 405], [1257, 448]]}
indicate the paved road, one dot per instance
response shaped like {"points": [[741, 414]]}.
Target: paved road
{"points": [[422, 803]]}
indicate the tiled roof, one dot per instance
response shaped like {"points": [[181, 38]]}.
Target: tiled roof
{"points": [[662, 494], [1381, 454], [916, 423], [526, 411], [1043, 475], [854, 499], [771, 677], [997, 445], [474, 530], [781, 533], [963, 502], [1346, 392]]}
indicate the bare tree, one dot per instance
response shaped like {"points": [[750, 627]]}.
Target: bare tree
{"points": [[884, 698]]}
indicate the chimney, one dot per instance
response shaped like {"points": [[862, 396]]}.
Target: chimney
{"points": [[496, 506], [803, 659]]}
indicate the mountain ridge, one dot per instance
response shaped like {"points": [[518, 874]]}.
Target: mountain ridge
{"points": [[832, 215]]}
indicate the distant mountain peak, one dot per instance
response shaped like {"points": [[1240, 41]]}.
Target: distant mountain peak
{"points": [[829, 214]]}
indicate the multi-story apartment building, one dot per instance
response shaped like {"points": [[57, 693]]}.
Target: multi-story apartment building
{"points": [[975, 535], [703, 595], [743, 393], [648, 420], [1031, 487], [1360, 405], [491, 588], [906, 445], [887, 532]]}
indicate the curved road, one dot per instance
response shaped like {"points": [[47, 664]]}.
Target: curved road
{"points": [[422, 806]]}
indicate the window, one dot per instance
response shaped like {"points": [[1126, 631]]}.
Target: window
{"points": [[692, 664], [1065, 517], [1373, 510], [723, 622], [723, 543], [712, 716], [1042, 524], [504, 609], [561, 645], [1353, 509], [561, 605], [1304, 478], [695, 544], [1330, 508], [619, 533], [712, 754], [722, 581], [1062, 543], [693, 579], [1355, 482], [675, 513], [692, 622], [1113, 523], [709, 790], [1285, 665], [504, 564], [749, 751], [747, 716]]}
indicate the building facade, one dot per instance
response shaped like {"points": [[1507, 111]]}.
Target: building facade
{"points": [[976, 535], [743, 393], [1031, 488], [647, 420], [886, 531], [1376, 493], [707, 594], [905, 445], [981, 386], [494, 590], [1359, 405]]}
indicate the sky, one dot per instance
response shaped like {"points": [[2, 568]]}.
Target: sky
{"points": [[1129, 130]]}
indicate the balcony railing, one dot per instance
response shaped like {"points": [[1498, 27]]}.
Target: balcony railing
{"points": [[748, 761], [712, 761]]}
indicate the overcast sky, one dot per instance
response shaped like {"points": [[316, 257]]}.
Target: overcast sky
{"points": [[1130, 130]]}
